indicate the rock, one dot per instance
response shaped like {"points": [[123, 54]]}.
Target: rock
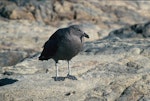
{"points": [[123, 33], [146, 51], [92, 99], [85, 12], [64, 11], [133, 31], [21, 13], [11, 11], [18, 36], [7, 58], [108, 82], [44, 12], [117, 46], [113, 68], [137, 91], [6, 11], [146, 30], [132, 64], [30, 10], [8, 73], [53, 11], [100, 77], [19, 2], [92, 30], [124, 13], [135, 51]]}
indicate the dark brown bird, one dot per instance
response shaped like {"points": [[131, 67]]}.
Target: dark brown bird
{"points": [[64, 44]]}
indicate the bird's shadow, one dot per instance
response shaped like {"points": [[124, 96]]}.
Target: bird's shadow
{"points": [[63, 78], [7, 81], [59, 78]]}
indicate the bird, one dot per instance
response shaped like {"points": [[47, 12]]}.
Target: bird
{"points": [[64, 44]]}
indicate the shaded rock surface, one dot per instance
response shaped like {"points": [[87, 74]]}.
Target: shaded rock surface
{"points": [[113, 66], [7, 58], [133, 31]]}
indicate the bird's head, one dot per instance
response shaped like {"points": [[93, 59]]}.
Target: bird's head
{"points": [[77, 31]]}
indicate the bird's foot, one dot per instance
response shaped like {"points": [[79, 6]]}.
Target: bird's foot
{"points": [[71, 77], [59, 78]]}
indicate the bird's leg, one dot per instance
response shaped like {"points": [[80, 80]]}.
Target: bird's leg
{"points": [[56, 70], [69, 69], [57, 78], [69, 76]]}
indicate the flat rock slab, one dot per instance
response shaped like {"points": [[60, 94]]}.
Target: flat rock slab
{"points": [[100, 77]]}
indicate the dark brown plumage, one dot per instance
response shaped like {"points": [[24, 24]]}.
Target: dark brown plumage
{"points": [[64, 44]]}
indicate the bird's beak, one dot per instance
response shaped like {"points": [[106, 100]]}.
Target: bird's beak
{"points": [[85, 35]]}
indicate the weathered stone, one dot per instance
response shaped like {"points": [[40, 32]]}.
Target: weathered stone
{"points": [[93, 11], [7, 10], [64, 11], [92, 99], [11, 57], [85, 12], [133, 31], [146, 30], [115, 68], [19, 13]]}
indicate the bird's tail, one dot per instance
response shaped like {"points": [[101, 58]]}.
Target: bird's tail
{"points": [[42, 57]]}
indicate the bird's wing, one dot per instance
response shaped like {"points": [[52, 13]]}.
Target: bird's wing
{"points": [[59, 34], [51, 46]]}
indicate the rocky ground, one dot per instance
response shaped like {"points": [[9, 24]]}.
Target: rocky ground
{"points": [[113, 66]]}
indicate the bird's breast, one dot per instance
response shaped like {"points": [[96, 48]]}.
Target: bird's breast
{"points": [[68, 48]]}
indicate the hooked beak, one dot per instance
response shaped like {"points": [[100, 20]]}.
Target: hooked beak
{"points": [[85, 35]]}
